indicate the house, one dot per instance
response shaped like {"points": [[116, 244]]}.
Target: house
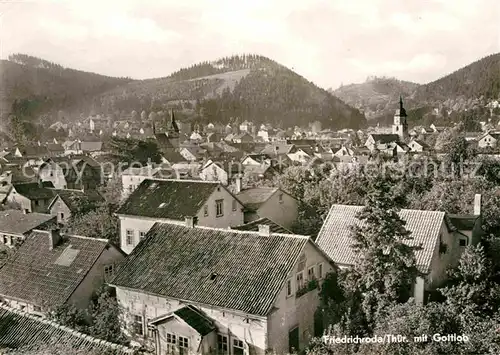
{"points": [[254, 226], [68, 202], [81, 147], [16, 225], [171, 201], [55, 149], [192, 153], [224, 171], [30, 334], [343, 152], [441, 243], [380, 141], [31, 197], [77, 172], [31, 151], [56, 269], [437, 129], [200, 295], [243, 137], [488, 140], [278, 149], [417, 146], [256, 159], [256, 173], [301, 155], [269, 202], [132, 177]]}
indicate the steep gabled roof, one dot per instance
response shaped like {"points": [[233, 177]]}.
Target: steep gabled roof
{"points": [[385, 138], [253, 198], [20, 330], [194, 317], [235, 270], [34, 191], [178, 198], [254, 226], [49, 276], [335, 234], [74, 198], [17, 222]]}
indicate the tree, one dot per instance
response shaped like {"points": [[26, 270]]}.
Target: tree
{"points": [[70, 316], [386, 270], [106, 317], [100, 223], [144, 116]]}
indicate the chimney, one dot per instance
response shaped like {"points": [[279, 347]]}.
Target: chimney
{"points": [[237, 189], [264, 230], [54, 238], [477, 204], [190, 221]]}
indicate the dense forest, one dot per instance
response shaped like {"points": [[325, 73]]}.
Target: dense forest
{"points": [[48, 87], [247, 86], [376, 95], [468, 88]]}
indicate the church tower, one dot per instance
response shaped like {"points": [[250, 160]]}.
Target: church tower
{"points": [[400, 126]]}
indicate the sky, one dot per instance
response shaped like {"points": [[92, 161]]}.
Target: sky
{"points": [[329, 42]]}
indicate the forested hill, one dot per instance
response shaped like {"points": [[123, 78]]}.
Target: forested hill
{"points": [[49, 87], [467, 89], [376, 96], [481, 78], [250, 87]]}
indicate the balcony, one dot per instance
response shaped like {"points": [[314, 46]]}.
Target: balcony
{"points": [[311, 285]]}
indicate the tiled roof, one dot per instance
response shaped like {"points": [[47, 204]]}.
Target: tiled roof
{"points": [[178, 199], [335, 234], [73, 198], [255, 197], [173, 157], [55, 147], [17, 222], [196, 319], [230, 269], [278, 148], [19, 330], [91, 146], [254, 226], [385, 138], [49, 275], [34, 191]]}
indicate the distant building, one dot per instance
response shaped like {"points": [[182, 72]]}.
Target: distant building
{"points": [[272, 203], [400, 126], [68, 202], [31, 197], [488, 140]]}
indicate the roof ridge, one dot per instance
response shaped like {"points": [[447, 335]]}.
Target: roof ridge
{"points": [[185, 180], [72, 235], [67, 329], [230, 230]]}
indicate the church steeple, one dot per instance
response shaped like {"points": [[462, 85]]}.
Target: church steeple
{"points": [[400, 126], [172, 127]]}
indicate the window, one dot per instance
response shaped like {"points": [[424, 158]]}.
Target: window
{"points": [[310, 274], [238, 348], [171, 343], [5, 239], [129, 236], [205, 211], [320, 271], [219, 208], [61, 215], [37, 202], [280, 198], [108, 271], [463, 243], [37, 309], [289, 287], [183, 345], [222, 346], [142, 234], [235, 205], [138, 326], [300, 280]]}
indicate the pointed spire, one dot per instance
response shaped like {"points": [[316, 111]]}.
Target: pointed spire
{"points": [[402, 111]]}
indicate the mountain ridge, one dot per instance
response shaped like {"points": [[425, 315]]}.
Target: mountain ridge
{"points": [[250, 87]]}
